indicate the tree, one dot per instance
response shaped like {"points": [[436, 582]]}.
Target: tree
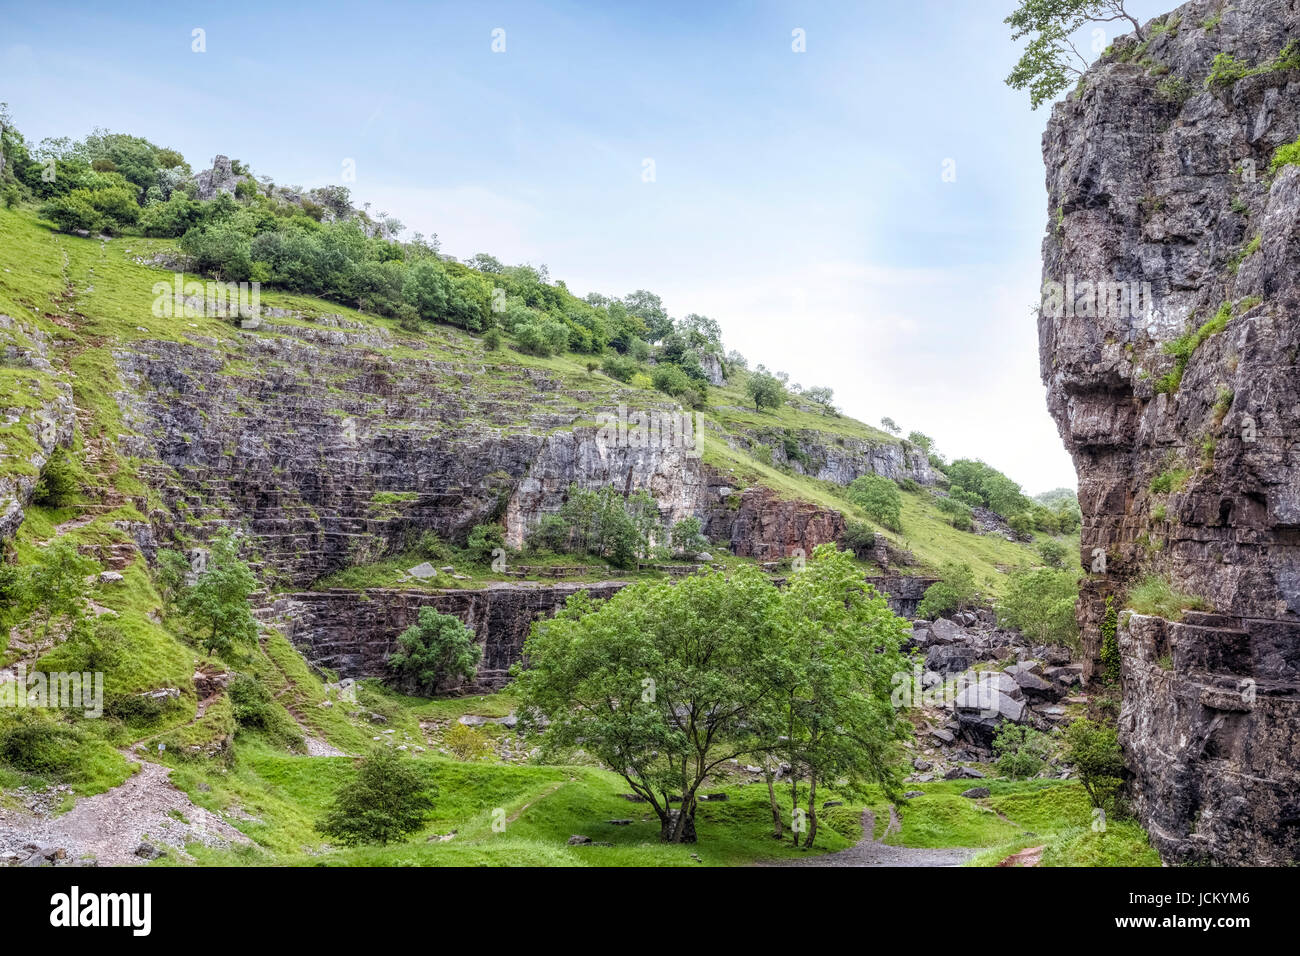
{"points": [[663, 683], [58, 482], [1040, 604], [688, 536], [823, 396], [832, 715], [954, 590], [765, 389], [1051, 61], [56, 584], [217, 603], [387, 800], [889, 425], [437, 650], [649, 308], [1093, 750], [1054, 553], [1021, 751], [879, 498], [921, 440]]}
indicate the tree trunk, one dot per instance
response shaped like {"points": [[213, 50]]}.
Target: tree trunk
{"points": [[778, 831], [812, 810], [678, 827]]}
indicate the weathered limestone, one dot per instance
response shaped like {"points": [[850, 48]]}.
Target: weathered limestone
{"points": [[1153, 178]]}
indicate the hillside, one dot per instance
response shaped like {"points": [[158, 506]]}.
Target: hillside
{"points": [[344, 448]]}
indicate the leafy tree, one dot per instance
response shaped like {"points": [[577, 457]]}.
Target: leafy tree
{"points": [[688, 536], [765, 389], [957, 511], [56, 586], [387, 800], [889, 425], [598, 522], [832, 716], [483, 540], [649, 309], [859, 538], [435, 651], [1051, 61], [217, 603], [921, 440], [1040, 604], [1093, 750], [663, 683], [466, 743], [954, 591], [880, 500], [72, 212], [820, 395], [171, 573], [1020, 750]]}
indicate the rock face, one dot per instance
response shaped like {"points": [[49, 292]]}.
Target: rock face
{"points": [[221, 178], [1180, 402]]}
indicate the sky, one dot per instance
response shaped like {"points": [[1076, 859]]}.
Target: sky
{"points": [[863, 214]]}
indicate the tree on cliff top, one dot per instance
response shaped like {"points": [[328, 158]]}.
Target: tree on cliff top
{"points": [[1051, 61]]}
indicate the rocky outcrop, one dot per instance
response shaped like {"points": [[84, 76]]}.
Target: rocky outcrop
{"points": [[43, 419], [221, 178], [838, 458], [1174, 384]]}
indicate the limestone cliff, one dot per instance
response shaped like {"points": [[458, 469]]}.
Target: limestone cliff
{"points": [[1169, 343]]}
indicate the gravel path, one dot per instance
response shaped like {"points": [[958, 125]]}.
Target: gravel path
{"points": [[109, 827], [870, 852]]}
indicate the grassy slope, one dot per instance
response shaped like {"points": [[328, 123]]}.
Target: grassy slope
{"points": [[89, 296]]}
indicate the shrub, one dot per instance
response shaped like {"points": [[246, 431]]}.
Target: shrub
{"points": [[956, 511], [860, 539], [484, 539], [72, 212], [1040, 604], [10, 195], [1054, 553], [1093, 750], [688, 536], [879, 499], [619, 367], [671, 380], [466, 743], [254, 708], [437, 649], [1021, 751], [492, 339], [954, 591], [58, 482], [33, 742], [387, 800], [541, 336]]}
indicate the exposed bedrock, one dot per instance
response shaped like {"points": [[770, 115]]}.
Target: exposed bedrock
{"points": [[1180, 403]]}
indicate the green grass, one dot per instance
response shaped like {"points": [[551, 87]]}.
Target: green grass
{"points": [[1154, 595]]}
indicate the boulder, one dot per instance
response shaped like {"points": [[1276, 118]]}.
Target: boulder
{"points": [[579, 840], [976, 793]]}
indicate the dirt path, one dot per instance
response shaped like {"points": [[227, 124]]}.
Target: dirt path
{"points": [[110, 827], [870, 852]]}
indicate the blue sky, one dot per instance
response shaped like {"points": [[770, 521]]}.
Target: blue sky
{"points": [[798, 198]]}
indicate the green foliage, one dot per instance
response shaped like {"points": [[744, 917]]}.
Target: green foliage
{"points": [[1225, 71], [387, 800], [1053, 552], [217, 604], [1170, 480], [1183, 348], [57, 485], [492, 339], [1110, 660], [1040, 604], [1093, 750], [1154, 595], [956, 511], [254, 708], [1020, 750], [55, 585], [170, 574], [954, 590], [1287, 154], [619, 367], [688, 536], [438, 650], [978, 484], [1050, 62], [879, 499], [765, 390], [600, 523], [483, 540], [34, 742], [859, 538], [466, 743]]}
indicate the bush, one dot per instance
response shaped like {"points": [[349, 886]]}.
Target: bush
{"points": [[466, 743], [671, 380], [437, 649], [387, 800], [492, 339], [10, 195], [1021, 751], [1040, 604], [35, 743], [1110, 660], [483, 540], [1054, 553], [688, 536], [957, 512], [618, 367], [953, 591], [72, 212], [880, 500], [859, 538], [58, 482], [541, 336], [254, 708], [1093, 750]]}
